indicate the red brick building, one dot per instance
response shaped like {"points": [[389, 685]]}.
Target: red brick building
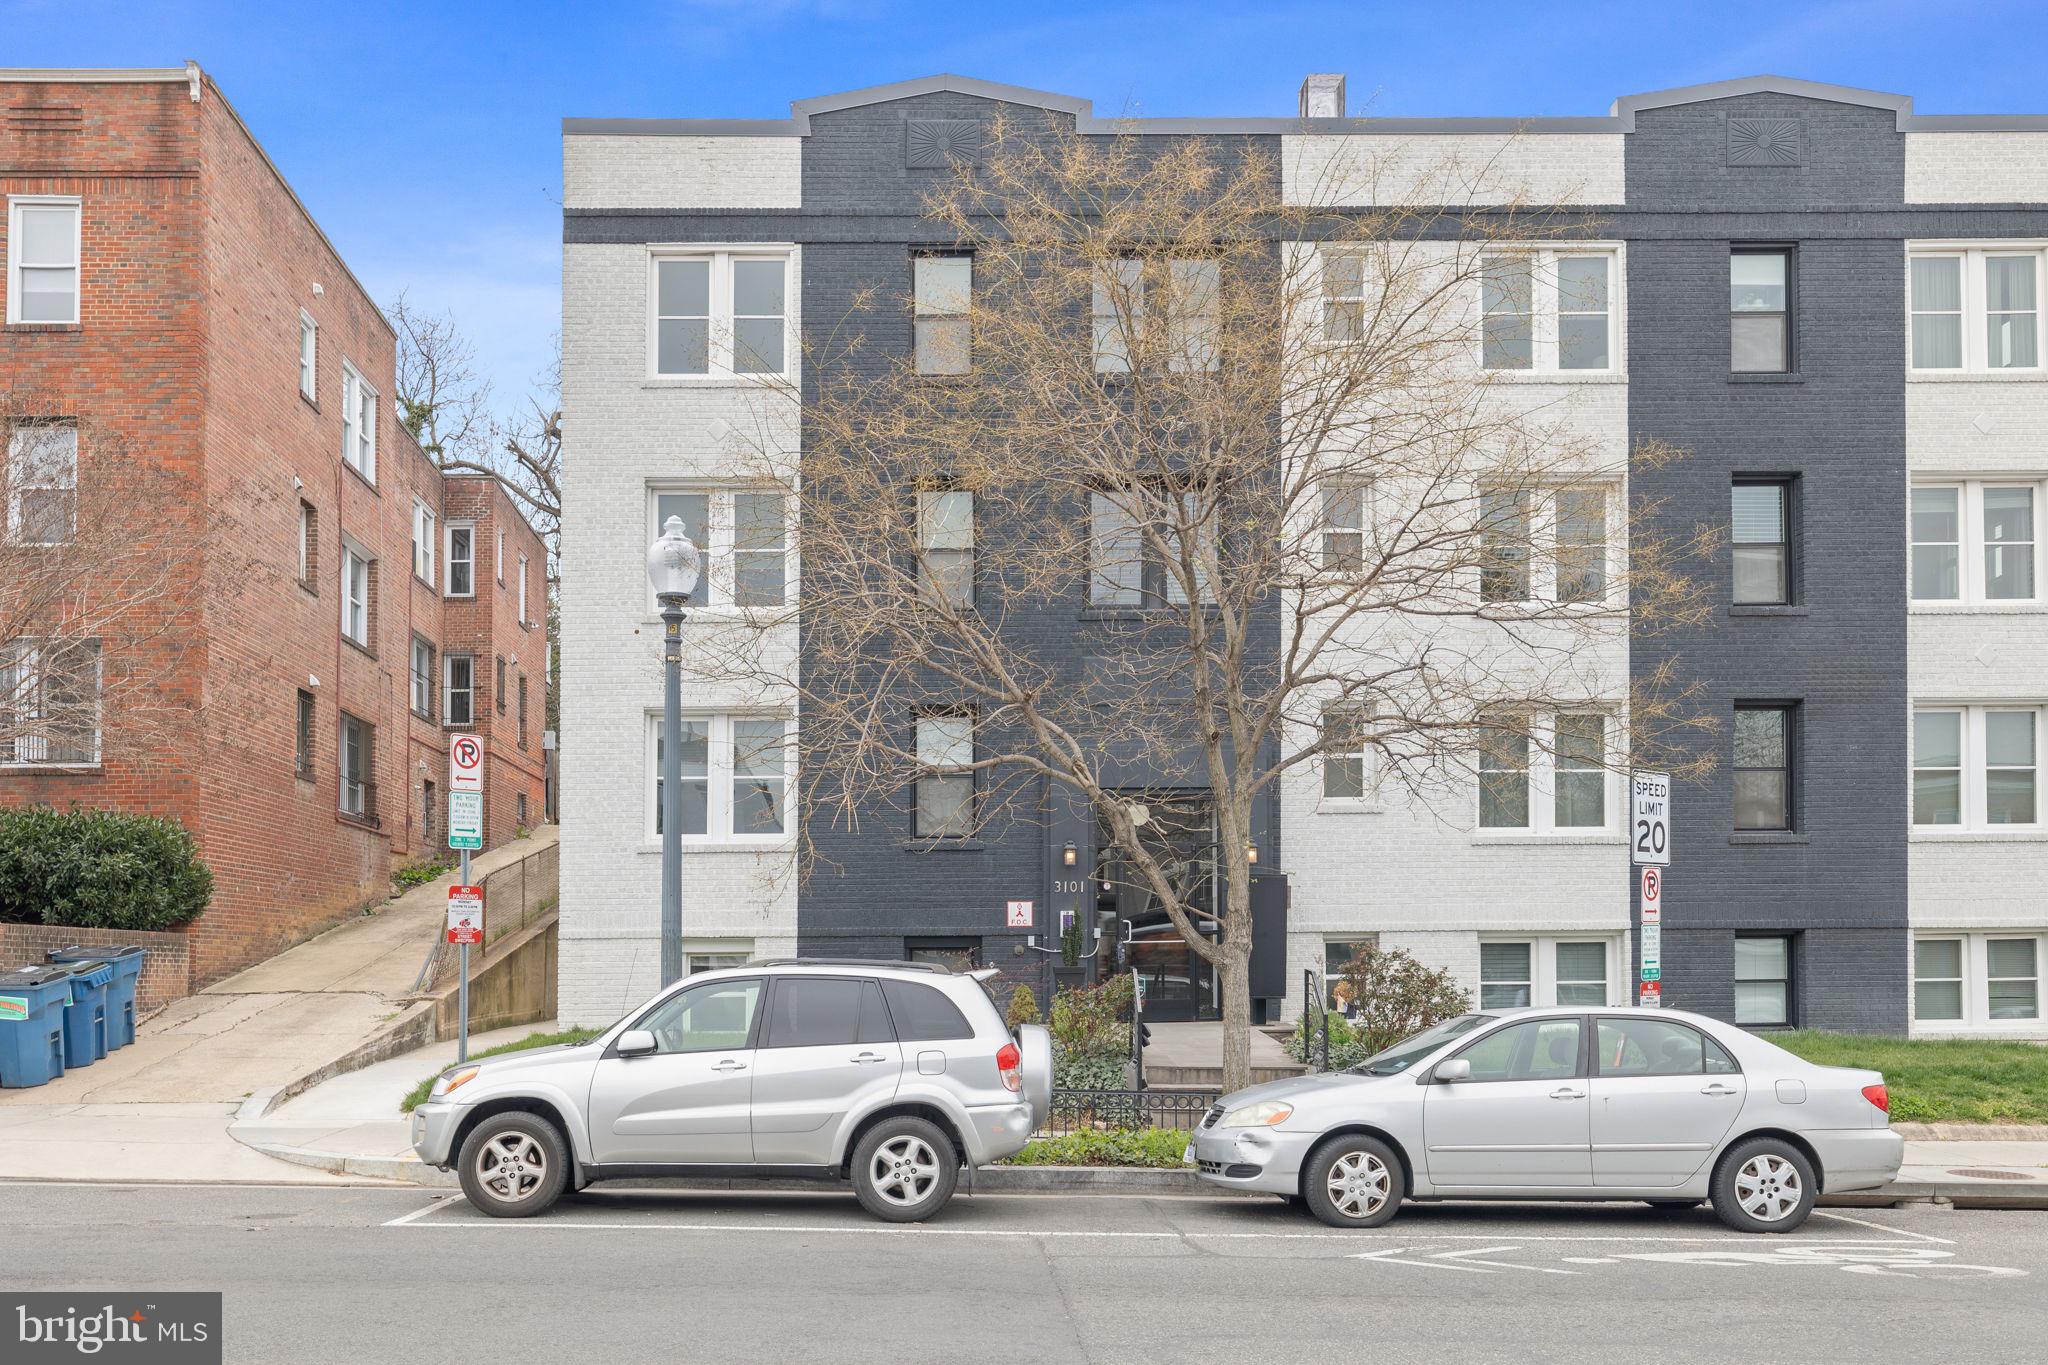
{"points": [[339, 606]]}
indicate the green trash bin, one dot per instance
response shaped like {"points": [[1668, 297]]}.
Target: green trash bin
{"points": [[32, 1025]]}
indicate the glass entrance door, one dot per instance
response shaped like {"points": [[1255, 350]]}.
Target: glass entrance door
{"points": [[1179, 833]]}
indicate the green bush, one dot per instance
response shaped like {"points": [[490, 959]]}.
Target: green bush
{"points": [[1091, 1036], [1023, 1008], [99, 869], [1159, 1147], [1391, 996]]}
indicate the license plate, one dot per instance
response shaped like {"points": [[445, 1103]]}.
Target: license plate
{"points": [[1187, 1158]]}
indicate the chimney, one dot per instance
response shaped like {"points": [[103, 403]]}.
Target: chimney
{"points": [[1323, 96]]}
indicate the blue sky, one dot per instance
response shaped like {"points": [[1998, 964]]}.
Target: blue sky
{"points": [[425, 136]]}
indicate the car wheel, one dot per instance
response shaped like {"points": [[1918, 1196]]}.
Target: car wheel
{"points": [[1764, 1185], [904, 1169], [514, 1165], [1353, 1181]]}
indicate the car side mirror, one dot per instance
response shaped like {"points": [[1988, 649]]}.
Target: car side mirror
{"points": [[636, 1042], [1456, 1069]]}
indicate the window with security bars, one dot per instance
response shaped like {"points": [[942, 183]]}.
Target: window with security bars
{"points": [[41, 507], [50, 703]]}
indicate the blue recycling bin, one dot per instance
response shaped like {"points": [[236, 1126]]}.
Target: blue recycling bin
{"points": [[32, 1025], [127, 964], [85, 1017]]}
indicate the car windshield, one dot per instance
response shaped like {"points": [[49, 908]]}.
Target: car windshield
{"points": [[1414, 1048]]}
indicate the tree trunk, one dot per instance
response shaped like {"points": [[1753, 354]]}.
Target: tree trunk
{"points": [[1233, 982]]}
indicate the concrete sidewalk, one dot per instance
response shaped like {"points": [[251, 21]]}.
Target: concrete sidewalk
{"points": [[159, 1109]]}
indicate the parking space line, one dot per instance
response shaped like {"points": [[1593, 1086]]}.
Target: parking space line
{"points": [[406, 1220], [1881, 1227]]}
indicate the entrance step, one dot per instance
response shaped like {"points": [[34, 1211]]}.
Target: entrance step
{"points": [[1211, 1077]]}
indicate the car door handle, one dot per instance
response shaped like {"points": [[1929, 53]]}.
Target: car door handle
{"points": [[730, 1065], [1567, 1092], [869, 1058], [1718, 1089]]}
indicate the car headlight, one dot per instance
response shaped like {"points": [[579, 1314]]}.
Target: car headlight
{"points": [[1266, 1113], [452, 1080]]}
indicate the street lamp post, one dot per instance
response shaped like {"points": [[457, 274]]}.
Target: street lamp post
{"points": [[672, 564]]}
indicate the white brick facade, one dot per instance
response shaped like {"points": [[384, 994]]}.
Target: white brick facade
{"points": [[655, 172], [1476, 169], [1977, 168]]}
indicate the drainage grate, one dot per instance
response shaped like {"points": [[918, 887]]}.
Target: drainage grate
{"points": [[1996, 1175]]}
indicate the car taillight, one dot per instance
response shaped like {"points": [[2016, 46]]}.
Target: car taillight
{"points": [[1878, 1096], [1010, 1062]]}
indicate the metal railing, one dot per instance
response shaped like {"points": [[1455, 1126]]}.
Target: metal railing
{"points": [[1080, 1110], [1315, 1020], [515, 896]]}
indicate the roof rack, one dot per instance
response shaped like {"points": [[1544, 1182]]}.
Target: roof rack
{"points": [[938, 968]]}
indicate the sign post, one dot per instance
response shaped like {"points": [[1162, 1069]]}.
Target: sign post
{"points": [[465, 832], [1649, 841], [465, 926]]}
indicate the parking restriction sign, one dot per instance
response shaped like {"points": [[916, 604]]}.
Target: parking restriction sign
{"points": [[466, 764], [465, 914]]}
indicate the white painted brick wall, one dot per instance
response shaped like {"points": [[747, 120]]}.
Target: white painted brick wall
{"points": [[620, 433], [648, 172], [1976, 168], [1494, 168]]}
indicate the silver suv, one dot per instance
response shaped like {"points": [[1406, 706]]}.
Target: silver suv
{"points": [[893, 1075]]}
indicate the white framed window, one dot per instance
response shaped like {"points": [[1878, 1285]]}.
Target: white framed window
{"points": [[741, 532], [942, 297], [50, 704], [1126, 571], [1347, 758], [1978, 979], [1976, 542], [422, 679], [945, 534], [423, 521], [461, 559], [945, 791], [458, 689], [1343, 296], [525, 617], [1974, 308], [42, 484], [1343, 525], [355, 594], [358, 423], [1543, 545], [356, 755], [1763, 979], [1189, 293], [309, 357], [718, 313], [501, 556], [1552, 775], [1977, 767], [1547, 971], [43, 254], [735, 778], [1550, 311]]}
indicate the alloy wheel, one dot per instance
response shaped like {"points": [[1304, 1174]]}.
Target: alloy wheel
{"points": [[1358, 1184], [903, 1170], [512, 1166], [1768, 1188]]}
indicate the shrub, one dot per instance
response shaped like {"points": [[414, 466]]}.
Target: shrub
{"points": [[1160, 1147], [1091, 1036], [1387, 996], [418, 874], [1023, 1008], [99, 869]]}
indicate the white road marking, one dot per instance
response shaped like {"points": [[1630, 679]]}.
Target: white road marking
{"points": [[406, 1220], [1881, 1227], [1593, 1260], [1388, 1257], [1463, 1256]]}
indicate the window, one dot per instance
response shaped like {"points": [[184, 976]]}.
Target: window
{"points": [[1124, 571], [1657, 1047], [1763, 767], [1763, 980], [50, 703], [824, 1011], [735, 778], [309, 357], [1978, 979], [945, 535], [422, 679], [501, 556], [458, 689], [945, 792], [303, 736], [461, 559], [1343, 297], [522, 710], [954, 954], [519, 807], [355, 595], [1504, 547], [498, 685], [42, 258], [1573, 570], [943, 290], [1974, 542], [1975, 309], [717, 1016], [1523, 761], [714, 962], [1345, 753], [1547, 311], [1188, 293], [743, 536], [525, 616], [1338, 954], [1539, 1050], [1976, 767], [309, 547], [1580, 793], [1545, 971], [42, 484], [428, 808], [719, 314], [924, 1015], [1760, 541], [1581, 544], [358, 423], [1503, 779], [1343, 527], [1759, 310], [357, 752], [423, 542]]}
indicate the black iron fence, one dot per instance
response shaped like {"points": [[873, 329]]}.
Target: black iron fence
{"points": [[1079, 1110]]}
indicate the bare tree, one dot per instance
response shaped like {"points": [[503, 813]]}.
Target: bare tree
{"points": [[1243, 450]]}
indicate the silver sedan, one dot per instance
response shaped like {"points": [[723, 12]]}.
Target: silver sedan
{"points": [[1577, 1104]]}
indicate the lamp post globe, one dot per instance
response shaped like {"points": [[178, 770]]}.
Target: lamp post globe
{"points": [[673, 564]]}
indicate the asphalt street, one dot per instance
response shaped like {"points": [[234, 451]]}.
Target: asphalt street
{"points": [[356, 1275]]}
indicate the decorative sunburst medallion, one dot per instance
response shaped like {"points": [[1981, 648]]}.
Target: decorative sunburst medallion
{"points": [[1763, 142], [934, 144]]}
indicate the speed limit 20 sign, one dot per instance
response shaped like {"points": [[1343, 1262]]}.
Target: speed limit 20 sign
{"points": [[1649, 823]]}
